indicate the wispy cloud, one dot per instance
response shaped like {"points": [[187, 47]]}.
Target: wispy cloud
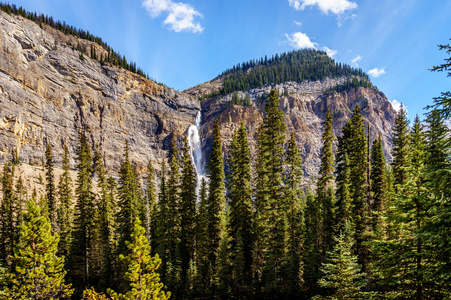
{"points": [[299, 40], [297, 23], [356, 60], [331, 53], [397, 105], [180, 16], [376, 72], [326, 6]]}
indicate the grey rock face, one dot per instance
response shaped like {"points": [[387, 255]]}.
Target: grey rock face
{"points": [[49, 93], [305, 105]]}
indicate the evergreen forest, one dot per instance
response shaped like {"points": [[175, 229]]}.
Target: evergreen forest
{"points": [[365, 228]]}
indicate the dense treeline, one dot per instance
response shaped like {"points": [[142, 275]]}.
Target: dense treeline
{"points": [[369, 229], [112, 56], [297, 66]]}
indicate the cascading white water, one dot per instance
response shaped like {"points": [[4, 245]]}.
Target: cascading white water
{"points": [[196, 149]]}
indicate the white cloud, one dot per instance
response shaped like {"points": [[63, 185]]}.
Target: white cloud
{"points": [[297, 23], [331, 53], [335, 6], [299, 40], [356, 60], [376, 72], [397, 105], [181, 16]]}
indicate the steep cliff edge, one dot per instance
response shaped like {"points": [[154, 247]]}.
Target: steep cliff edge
{"points": [[49, 91]]}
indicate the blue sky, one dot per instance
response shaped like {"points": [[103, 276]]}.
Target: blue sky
{"points": [[186, 42]]}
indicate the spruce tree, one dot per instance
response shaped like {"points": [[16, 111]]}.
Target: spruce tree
{"points": [[173, 275], [7, 226], [379, 189], [400, 150], [105, 225], [151, 224], [295, 218], [216, 196], [142, 273], [240, 204], [202, 240], [83, 229], [270, 204], [128, 201], [341, 272], [50, 190], [38, 272], [325, 193], [403, 262], [162, 221], [187, 209], [358, 188], [65, 213]]}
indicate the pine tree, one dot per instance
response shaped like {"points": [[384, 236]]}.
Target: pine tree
{"points": [[216, 196], [151, 224], [400, 151], [38, 272], [83, 230], [270, 205], [295, 218], [341, 273], [343, 179], [162, 221], [240, 223], [358, 188], [379, 189], [144, 280], [187, 209], [325, 193], [7, 226], [312, 257], [50, 190], [403, 262], [202, 242], [105, 225], [173, 218], [128, 201], [65, 214]]}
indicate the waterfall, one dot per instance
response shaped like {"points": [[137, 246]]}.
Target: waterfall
{"points": [[196, 150]]}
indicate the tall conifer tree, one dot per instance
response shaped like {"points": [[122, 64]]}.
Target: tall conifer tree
{"points": [[240, 223], [50, 190], [400, 148], [83, 230], [38, 272], [216, 196], [187, 208], [8, 231], [295, 218], [65, 213]]}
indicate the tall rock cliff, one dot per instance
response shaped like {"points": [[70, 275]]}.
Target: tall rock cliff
{"points": [[305, 105], [50, 91]]}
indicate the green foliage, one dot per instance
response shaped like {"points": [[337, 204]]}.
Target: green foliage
{"points": [[187, 209], [240, 206], [325, 194], [400, 147], [8, 214], [150, 221], [237, 100], [202, 242], [270, 226], [38, 273], [341, 273], [50, 190], [83, 229], [351, 84], [216, 195], [142, 276], [128, 201], [301, 65], [65, 213], [293, 273], [379, 189]]}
